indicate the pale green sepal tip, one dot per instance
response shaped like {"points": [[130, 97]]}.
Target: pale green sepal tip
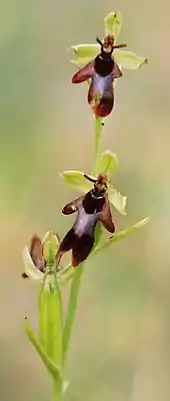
{"points": [[29, 268], [53, 369]]}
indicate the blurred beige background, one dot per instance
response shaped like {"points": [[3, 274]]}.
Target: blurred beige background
{"points": [[121, 345]]}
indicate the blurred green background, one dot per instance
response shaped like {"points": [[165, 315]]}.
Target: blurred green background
{"points": [[121, 345]]}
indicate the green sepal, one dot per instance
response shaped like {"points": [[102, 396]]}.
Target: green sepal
{"points": [[85, 53], [129, 60], [76, 180], [113, 24]]}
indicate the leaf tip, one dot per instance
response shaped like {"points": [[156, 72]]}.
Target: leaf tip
{"points": [[61, 175], [146, 220], [143, 222], [27, 326]]}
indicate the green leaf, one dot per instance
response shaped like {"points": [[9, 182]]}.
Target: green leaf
{"points": [[117, 200], [85, 53], [108, 163], [71, 310], [50, 316], [29, 268], [53, 369], [129, 60], [113, 24], [50, 247], [122, 234], [76, 180]]}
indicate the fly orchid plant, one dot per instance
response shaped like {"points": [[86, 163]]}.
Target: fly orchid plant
{"points": [[99, 64]]}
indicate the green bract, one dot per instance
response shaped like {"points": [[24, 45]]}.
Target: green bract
{"points": [[84, 53]]}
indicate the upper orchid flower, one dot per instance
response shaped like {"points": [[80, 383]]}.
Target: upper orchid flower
{"points": [[101, 63]]}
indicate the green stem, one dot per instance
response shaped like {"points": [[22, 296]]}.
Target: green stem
{"points": [[72, 308], [98, 142], [76, 280], [58, 390]]}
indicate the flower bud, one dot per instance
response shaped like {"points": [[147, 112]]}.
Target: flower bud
{"points": [[50, 304]]}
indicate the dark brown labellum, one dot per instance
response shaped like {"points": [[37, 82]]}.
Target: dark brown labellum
{"points": [[91, 208]]}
